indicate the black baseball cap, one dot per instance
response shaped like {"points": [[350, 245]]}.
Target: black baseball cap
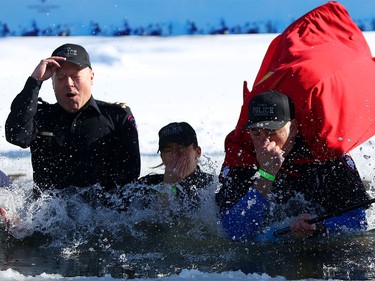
{"points": [[181, 133], [73, 53], [269, 110]]}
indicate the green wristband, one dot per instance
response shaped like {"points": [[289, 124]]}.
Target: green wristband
{"points": [[266, 175]]}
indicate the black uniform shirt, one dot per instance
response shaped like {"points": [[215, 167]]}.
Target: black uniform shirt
{"points": [[97, 144], [326, 186]]}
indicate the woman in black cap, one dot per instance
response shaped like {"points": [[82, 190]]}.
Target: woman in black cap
{"points": [[182, 178], [179, 151]]}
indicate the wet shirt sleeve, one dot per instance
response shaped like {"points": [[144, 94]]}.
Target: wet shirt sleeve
{"points": [[242, 208], [127, 155], [245, 219], [20, 128]]}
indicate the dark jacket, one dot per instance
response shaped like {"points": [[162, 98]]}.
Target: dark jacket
{"points": [[97, 144], [314, 188], [198, 179], [186, 190]]}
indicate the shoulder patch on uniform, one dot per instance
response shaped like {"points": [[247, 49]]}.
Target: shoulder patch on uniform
{"points": [[131, 119], [349, 162], [225, 171]]}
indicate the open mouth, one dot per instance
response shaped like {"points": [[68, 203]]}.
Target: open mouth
{"points": [[70, 95]]}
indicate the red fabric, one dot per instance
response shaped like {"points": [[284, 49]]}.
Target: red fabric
{"points": [[323, 63]]}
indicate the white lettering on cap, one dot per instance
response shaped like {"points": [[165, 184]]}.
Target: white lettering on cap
{"points": [[172, 131], [263, 110], [67, 53]]}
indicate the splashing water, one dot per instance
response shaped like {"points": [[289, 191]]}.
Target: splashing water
{"points": [[125, 232], [146, 231]]}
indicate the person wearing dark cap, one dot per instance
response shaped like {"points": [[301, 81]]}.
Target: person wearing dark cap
{"points": [[281, 185], [78, 141], [180, 152]]}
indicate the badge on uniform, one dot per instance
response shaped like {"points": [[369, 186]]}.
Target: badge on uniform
{"points": [[349, 162], [46, 134], [225, 171]]}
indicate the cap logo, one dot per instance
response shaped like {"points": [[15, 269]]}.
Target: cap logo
{"points": [[180, 133], [263, 110], [68, 53], [269, 110], [172, 130]]}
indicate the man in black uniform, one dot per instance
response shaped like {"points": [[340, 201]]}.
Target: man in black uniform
{"points": [[284, 182], [78, 141]]}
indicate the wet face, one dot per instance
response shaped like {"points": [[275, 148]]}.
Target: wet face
{"points": [[180, 161], [72, 86], [284, 137]]}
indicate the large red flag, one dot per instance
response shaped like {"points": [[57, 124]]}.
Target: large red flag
{"points": [[323, 63]]}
